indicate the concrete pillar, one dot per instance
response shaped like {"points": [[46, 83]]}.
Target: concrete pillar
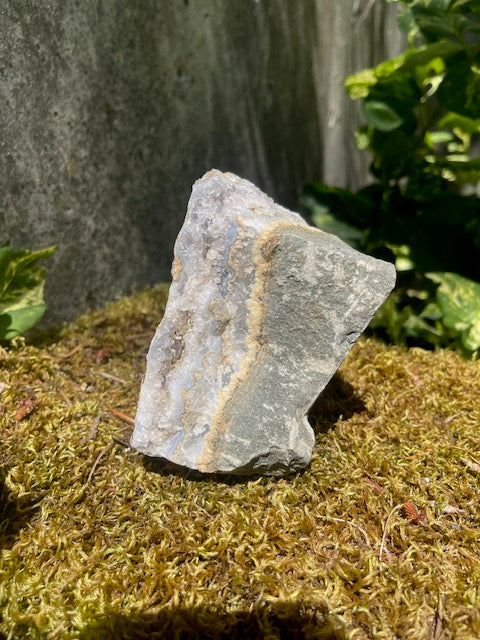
{"points": [[110, 109]]}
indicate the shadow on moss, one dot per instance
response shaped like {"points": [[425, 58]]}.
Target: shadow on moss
{"points": [[282, 621], [338, 400], [13, 515], [166, 468]]}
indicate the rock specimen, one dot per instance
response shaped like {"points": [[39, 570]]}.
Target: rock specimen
{"points": [[261, 312]]}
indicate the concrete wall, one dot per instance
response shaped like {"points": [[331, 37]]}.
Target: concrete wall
{"points": [[110, 109], [352, 35]]}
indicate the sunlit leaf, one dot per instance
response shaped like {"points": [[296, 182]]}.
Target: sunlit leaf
{"points": [[451, 120], [21, 290], [402, 253], [359, 84], [459, 300], [389, 67], [362, 138], [438, 137], [16, 322]]}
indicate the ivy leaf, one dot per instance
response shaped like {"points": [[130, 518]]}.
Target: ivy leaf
{"points": [[459, 300], [21, 290], [380, 115], [16, 322]]}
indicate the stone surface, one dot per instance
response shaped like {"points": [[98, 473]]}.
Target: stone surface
{"points": [[110, 110], [261, 312]]}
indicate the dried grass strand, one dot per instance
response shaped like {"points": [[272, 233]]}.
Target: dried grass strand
{"points": [[386, 528], [97, 461], [110, 376]]}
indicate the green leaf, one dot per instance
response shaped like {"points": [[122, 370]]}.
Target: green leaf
{"points": [[459, 300], [455, 120], [380, 115], [5, 259], [438, 137], [25, 290], [461, 171], [471, 338], [436, 24], [359, 84], [24, 257], [464, 177], [389, 67], [472, 165], [421, 56], [407, 24], [330, 224], [17, 322], [440, 5], [458, 297], [432, 312], [362, 138], [403, 259], [21, 289], [459, 3], [470, 6], [394, 153]]}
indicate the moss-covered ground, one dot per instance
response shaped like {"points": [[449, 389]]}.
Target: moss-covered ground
{"points": [[379, 538]]}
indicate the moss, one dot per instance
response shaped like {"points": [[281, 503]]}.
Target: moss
{"points": [[98, 542]]}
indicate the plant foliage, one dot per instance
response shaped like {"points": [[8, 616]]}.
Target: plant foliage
{"points": [[422, 128], [21, 290]]}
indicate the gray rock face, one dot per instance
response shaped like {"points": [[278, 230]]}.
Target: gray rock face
{"points": [[261, 312]]}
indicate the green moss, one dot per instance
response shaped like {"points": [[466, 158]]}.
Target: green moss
{"points": [[98, 542]]}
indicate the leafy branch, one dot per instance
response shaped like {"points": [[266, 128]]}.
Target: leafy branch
{"points": [[422, 126]]}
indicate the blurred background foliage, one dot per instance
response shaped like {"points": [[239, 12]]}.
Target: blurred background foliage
{"points": [[422, 126]]}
